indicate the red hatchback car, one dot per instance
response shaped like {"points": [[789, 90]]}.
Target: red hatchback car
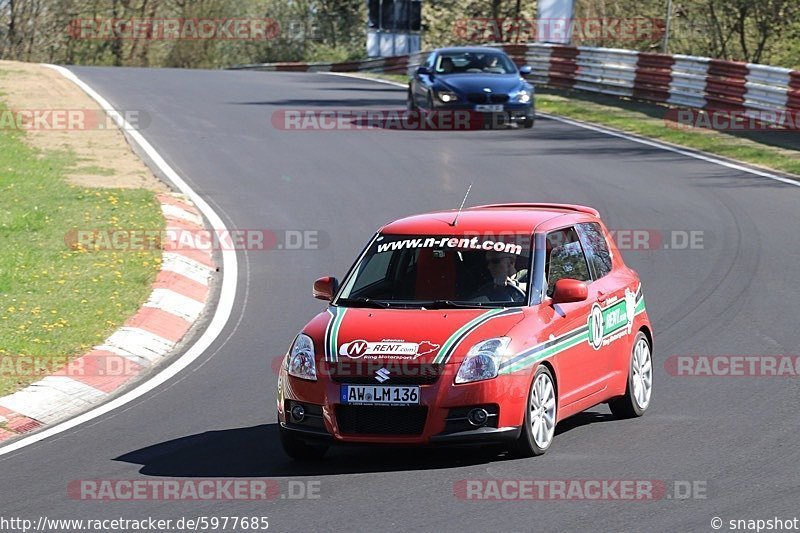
{"points": [[486, 326]]}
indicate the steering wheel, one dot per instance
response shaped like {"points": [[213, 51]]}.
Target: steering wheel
{"points": [[519, 295]]}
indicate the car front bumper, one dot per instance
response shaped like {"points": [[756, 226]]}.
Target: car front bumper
{"points": [[478, 436], [440, 418], [512, 113]]}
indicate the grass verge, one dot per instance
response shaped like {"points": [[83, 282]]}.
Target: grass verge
{"points": [[776, 150], [398, 78], [57, 301]]}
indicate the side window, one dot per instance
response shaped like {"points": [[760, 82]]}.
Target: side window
{"points": [[596, 246], [565, 258]]}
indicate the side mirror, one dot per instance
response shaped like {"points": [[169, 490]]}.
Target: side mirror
{"points": [[325, 288], [424, 70], [525, 70], [570, 290]]}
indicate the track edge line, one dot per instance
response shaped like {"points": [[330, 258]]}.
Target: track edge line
{"points": [[223, 309]]}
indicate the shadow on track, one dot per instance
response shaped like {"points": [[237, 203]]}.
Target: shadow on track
{"points": [[317, 103], [583, 419], [256, 452]]}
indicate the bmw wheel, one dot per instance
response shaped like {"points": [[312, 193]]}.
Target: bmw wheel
{"points": [[540, 416], [429, 103], [640, 381], [411, 104]]}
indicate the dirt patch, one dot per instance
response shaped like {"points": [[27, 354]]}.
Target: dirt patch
{"points": [[104, 157]]}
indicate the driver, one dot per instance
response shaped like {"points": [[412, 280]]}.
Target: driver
{"points": [[502, 287], [490, 62]]}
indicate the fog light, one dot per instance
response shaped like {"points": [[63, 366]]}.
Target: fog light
{"points": [[478, 417], [298, 413]]}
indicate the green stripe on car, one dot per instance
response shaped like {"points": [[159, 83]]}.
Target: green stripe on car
{"points": [[449, 345]]}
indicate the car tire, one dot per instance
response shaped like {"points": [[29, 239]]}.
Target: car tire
{"points": [[537, 434], [410, 103], [429, 103], [527, 123], [300, 450], [639, 389]]}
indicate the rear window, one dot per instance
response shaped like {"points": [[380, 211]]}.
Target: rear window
{"points": [[596, 248]]}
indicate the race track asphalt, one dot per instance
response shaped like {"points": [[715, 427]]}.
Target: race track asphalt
{"points": [[735, 295]]}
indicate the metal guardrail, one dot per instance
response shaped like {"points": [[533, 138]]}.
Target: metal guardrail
{"points": [[681, 80]]}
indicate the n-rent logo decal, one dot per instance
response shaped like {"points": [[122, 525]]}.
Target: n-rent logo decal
{"points": [[386, 348], [605, 324], [606, 332]]}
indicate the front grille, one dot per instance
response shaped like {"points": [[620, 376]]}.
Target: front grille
{"points": [[381, 420], [400, 373], [487, 98]]}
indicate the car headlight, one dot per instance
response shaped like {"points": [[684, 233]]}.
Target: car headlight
{"points": [[301, 358], [447, 96], [483, 360], [523, 97]]}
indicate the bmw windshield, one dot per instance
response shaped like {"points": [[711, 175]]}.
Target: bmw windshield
{"points": [[440, 271], [474, 62]]}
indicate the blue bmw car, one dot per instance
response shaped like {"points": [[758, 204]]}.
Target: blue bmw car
{"points": [[481, 80]]}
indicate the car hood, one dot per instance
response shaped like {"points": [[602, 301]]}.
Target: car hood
{"points": [[466, 83], [414, 336]]}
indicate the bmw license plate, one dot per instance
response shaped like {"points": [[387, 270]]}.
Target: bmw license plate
{"points": [[379, 395], [489, 107]]}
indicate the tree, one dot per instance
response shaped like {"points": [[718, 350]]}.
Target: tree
{"points": [[765, 31]]}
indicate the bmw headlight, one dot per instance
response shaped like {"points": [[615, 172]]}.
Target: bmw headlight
{"points": [[301, 358], [447, 96], [523, 97], [483, 360]]}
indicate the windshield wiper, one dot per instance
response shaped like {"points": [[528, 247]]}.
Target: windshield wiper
{"points": [[364, 302], [443, 304], [361, 301]]}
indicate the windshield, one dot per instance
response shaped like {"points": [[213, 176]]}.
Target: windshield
{"points": [[440, 271], [477, 62]]}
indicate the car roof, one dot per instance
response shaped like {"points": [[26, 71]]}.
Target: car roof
{"points": [[493, 218], [474, 49]]}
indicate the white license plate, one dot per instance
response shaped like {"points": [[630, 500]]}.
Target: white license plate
{"points": [[379, 395], [489, 107]]}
